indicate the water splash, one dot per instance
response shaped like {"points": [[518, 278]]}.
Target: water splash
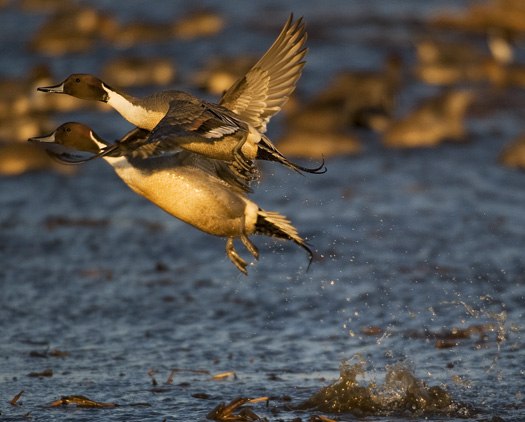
{"points": [[498, 325], [402, 393]]}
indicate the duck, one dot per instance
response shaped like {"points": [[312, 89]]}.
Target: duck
{"points": [[139, 71], [357, 98], [434, 120], [200, 191], [507, 15], [298, 142], [75, 28], [449, 63], [513, 155], [198, 24], [139, 32], [231, 130], [222, 72], [17, 158]]}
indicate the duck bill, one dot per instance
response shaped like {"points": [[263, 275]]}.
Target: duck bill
{"points": [[49, 139], [58, 89]]}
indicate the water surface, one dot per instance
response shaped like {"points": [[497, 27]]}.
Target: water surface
{"points": [[412, 309]]}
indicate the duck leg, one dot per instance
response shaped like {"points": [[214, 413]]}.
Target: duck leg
{"points": [[247, 242], [239, 158], [234, 256], [240, 171]]}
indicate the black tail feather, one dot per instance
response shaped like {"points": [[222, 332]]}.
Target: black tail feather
{"points": [[267, 154], [275, 225]]}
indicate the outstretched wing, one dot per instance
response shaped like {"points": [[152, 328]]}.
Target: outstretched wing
{"points": [[266, 87]]}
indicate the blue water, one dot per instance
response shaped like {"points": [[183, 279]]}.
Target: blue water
{"points": [[419, 244]]}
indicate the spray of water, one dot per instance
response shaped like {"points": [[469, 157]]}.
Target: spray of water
{"points": [[402, 393]]}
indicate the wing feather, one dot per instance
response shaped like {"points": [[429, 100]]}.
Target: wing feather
{"points": [[196, 121], [262, 92]]}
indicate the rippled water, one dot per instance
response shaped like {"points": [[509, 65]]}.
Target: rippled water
{"points": [[413, 308]]}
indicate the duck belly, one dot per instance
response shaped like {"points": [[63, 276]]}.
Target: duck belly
{"points": [[194, 197]]}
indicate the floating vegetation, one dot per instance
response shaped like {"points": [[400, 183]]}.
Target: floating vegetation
{"points": [[224, 375], [224, 412], [83, 401], [15, 398], [44, 373]]}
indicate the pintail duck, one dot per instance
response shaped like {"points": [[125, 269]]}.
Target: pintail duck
{"points": [[139, 71], [513, 155], [232, 130], [435, 120], [73, 28], [220, 74], [200, 191]]}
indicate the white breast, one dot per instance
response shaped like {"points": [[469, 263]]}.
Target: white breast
{"points": [[134, 113]]}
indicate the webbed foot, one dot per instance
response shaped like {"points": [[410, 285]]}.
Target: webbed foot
{"points": [[234, 257], [248, 244]]}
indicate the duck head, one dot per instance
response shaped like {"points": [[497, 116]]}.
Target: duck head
{"points": [[81, 85], [76, 136]]}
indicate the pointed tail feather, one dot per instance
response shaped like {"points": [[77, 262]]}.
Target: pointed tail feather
{"points": [[267, 151], [276, 225]]}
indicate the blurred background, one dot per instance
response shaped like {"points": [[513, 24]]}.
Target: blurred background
{"points": [[411, 74], [418, 226]]}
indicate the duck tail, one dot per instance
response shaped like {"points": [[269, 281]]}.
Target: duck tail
{"points": [[267, 151], [276, 225]]}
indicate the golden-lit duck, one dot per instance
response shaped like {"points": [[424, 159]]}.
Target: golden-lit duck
{"points": [[21, 118], [198, 24], [446, 63], [504, 71], [501, 14], [23, 110], [322, 126], [17, 158], [515, 75], [232, 130], [14, 98], [72, 30], [297, 142], [18, 95], [313, 131], [200, 191], [434, 121], [221, 73], [354, 98], [139, 71], [19, 128], [513, 155], [140, 32]]}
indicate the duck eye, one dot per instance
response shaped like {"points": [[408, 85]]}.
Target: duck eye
{"points": [[68, 129], [77, 79]]}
